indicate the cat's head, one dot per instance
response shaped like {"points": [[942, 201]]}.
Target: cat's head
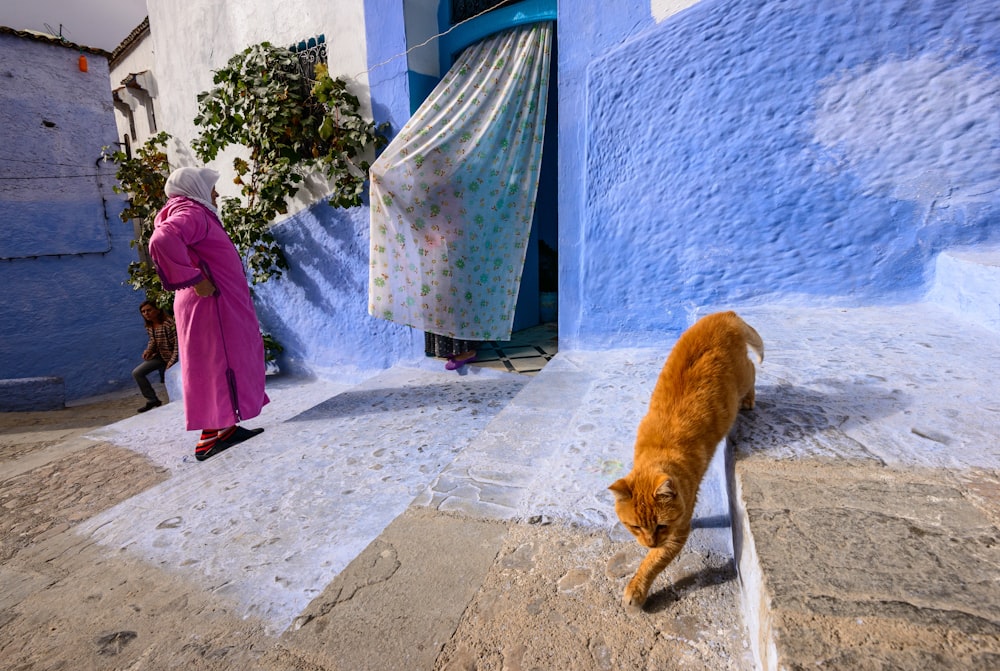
{"points": [[648, 506]]}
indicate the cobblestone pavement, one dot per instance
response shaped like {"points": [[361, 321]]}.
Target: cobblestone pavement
{"points": [[48, 500], [68, 484]]}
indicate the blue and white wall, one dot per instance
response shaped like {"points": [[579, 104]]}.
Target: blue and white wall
{"points": [[747, 151], [64, 252], [711, 154], [318, 309]]}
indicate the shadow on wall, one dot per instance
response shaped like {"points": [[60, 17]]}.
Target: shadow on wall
{"points": [[794, 152], [318, 310]]}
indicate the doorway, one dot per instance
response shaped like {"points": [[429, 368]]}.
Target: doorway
{"points": [[537, 297]]}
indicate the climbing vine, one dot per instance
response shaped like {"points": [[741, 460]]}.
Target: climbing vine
{"points": [[141, 178], [290, 126]]}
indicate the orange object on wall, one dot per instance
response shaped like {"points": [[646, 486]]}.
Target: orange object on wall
{"points": [[83, 63]]}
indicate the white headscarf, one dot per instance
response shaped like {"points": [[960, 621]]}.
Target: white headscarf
{"points": [[193, 183]]}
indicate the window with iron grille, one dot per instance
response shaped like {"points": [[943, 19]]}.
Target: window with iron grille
{"points": [[466, 9], [310, 52]]}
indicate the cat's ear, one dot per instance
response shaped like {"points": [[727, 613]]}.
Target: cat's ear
{"points": [[666, 489], [621, 490]]}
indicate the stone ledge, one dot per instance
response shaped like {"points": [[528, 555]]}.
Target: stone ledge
{"points": [[865, 490], [32, 393], [862, 566], [968, 282]]}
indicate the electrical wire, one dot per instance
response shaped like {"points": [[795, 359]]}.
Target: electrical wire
{"points": [[425, 42], [25, 160]]}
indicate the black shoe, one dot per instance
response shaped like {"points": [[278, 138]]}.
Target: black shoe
{"points": [[155, 403], [237, 436]]}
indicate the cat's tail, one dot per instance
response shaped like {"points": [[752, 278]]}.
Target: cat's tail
{"points": [[754, 341]]}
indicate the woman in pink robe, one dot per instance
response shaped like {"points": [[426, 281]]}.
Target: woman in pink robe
{"points": [[221, 350]]}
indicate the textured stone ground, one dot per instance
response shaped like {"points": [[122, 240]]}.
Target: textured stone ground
{"points": [[423, 520], [415, 521], [486, 595], [67, 603], [868, 490]]}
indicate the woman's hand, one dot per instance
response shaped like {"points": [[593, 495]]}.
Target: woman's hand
{"points": [[204, 288]]}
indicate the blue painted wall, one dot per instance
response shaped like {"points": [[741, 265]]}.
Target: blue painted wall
{"points": [[740, 152], [318, 310], [748, 151], [64, 252]]}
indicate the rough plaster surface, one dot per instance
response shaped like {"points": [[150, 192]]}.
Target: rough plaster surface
{"points": [[318, 310], [63, 309], [56, 119], [744, 151]]}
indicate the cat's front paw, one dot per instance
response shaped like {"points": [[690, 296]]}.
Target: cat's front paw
{"points": [[634, 598]]}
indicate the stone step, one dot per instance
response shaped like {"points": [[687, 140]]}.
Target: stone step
{"points": [[32, 393], [864, 489], [968, 282], [456, 517], [268, 524], [513, 555]]}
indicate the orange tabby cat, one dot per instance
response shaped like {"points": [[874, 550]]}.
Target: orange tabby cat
{"points": [[707, 378]]}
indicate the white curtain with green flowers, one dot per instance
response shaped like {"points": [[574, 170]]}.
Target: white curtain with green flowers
{"points": [[452, 196]]}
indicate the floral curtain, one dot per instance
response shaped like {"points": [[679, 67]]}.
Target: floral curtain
{"points": [[453, 195]]}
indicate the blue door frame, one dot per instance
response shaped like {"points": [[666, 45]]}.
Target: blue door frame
{"points": [[519, 14]]}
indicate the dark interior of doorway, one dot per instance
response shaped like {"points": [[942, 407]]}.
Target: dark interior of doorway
{"points": [[538, 294]]}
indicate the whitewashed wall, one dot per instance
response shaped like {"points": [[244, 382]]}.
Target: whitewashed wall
{"points": [[192, 38], [140, 59], [318, 309], [663, 9]]}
